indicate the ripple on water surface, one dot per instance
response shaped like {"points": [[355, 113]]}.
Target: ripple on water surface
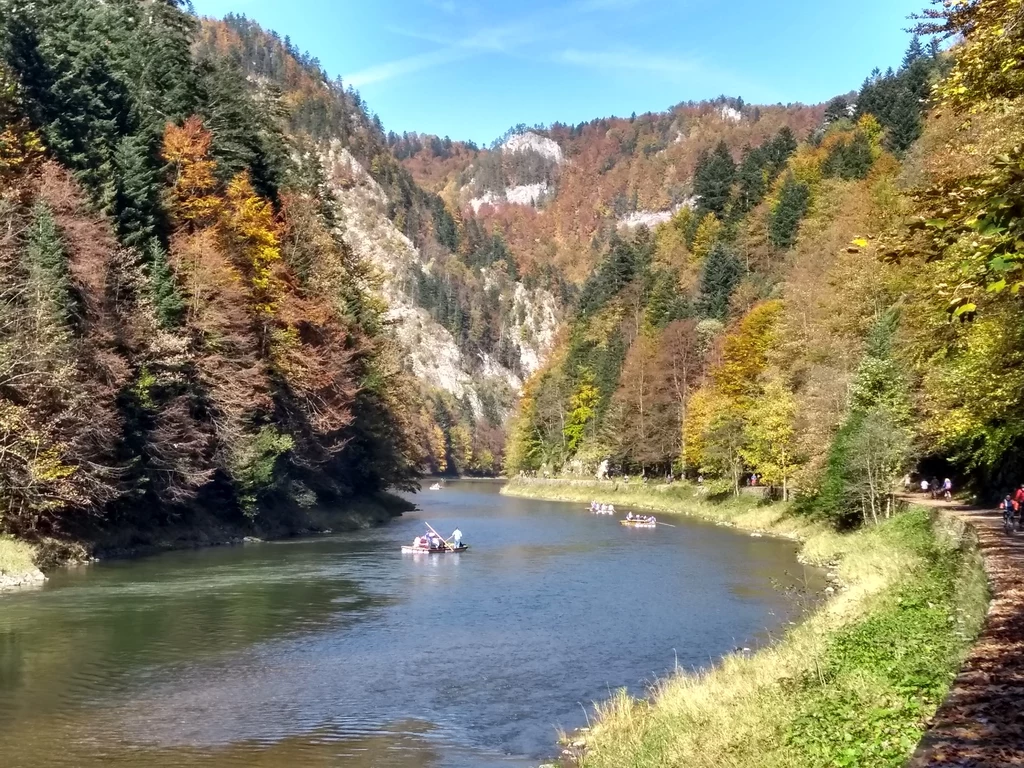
{"points": [[341, 651]]}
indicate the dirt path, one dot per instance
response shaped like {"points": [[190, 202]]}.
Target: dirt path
{"points": [[981, 723]]}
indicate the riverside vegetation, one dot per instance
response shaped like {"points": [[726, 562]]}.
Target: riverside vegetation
{"points": [[211, 251], [853, 684]]}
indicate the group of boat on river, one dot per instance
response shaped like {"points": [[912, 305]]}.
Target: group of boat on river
{"points": [[632, 521], [431, 542]]}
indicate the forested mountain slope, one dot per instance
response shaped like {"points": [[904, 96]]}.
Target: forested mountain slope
{"points": [[785, 321], [226, 287], [220, 290]]}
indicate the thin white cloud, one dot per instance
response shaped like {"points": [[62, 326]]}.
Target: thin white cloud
{"points": [[489, 39], [626, 60], [389, 70], [545, 25]]}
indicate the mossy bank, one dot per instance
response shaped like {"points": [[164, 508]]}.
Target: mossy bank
{"points": [[853, 685]]}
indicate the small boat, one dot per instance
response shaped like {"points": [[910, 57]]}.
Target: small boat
{"points": [[435, 487], [435, 551], [639, 523]]}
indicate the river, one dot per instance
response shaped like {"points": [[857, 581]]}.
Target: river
{"points": [[341, 651]]}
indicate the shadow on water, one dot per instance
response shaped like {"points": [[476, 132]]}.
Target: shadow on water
{"points": [[342, 651]]}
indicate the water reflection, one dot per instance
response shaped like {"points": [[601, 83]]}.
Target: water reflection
{"points": [[343, 651]]}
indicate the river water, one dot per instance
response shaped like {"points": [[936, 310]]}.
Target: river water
{"points": [[341, 651]]}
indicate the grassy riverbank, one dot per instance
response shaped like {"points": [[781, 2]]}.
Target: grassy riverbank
{"points": [[853, 685], [749, 511]]}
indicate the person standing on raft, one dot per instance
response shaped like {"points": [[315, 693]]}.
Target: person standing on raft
{"points": [[457, 538]]}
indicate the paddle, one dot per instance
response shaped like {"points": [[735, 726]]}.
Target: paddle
{"points": [[447, 545], [668, 524]]}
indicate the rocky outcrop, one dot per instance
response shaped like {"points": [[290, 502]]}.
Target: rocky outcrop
{"points": [[30, 578], [432, 353], [539, 144]]}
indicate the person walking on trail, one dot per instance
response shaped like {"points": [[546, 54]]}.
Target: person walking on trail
{"points": [[924, 485], [457, 538], [947, 489]]}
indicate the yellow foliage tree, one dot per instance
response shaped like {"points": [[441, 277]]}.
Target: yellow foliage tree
{"points": [[193, 195], [250, 225], [708, 232]]}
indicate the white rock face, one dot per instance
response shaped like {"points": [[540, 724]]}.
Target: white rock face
{"points": [[538, 332], [487, 198], [524, 194], [530, 140], [432, 353], [654, 218], [733, 115]]}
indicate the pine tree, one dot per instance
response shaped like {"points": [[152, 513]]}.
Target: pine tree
{"points": [[49, 284], [779, 150], [713, 179], [837, 109], [753, 181], [904, 122], [794, 199], [719, 278], [849, 159], [168, 303], [137, 194], [61, 55], [914, 52]]}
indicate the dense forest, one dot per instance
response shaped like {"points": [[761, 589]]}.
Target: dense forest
{"points": [[833, 308], [226, 287], [185, 326]]}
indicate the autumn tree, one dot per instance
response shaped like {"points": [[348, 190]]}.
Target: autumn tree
{"points": [[771, 446]]}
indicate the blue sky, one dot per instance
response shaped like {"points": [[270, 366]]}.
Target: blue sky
{"points": [[469, 69]]}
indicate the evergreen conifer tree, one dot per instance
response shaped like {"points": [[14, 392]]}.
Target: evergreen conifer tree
{"points": [[794, 198], [719, 278], [904, 122], [837, 109], [713, 179], [914, 52], [168, 303], [753, 181]]}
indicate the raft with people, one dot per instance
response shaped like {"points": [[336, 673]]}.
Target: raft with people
{"points": [[640, 521], [431, 543], [596, 508]]}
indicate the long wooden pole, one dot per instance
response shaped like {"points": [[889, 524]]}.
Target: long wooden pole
{"points": [[449, 546]]}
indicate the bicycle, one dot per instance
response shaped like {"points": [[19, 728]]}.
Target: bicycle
{"points": [[1008, 522]]}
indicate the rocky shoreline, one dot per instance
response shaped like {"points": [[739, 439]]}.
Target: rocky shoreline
{"points": [[10, 582]]}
